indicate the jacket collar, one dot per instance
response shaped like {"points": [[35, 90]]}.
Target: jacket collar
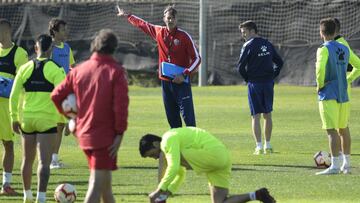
{"points": [[98, 56]]}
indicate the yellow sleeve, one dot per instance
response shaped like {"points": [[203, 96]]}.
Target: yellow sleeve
{"points": [[171, 151], [72, 60], [17, 91], [179, 179], [21, 57], [322, 56], [353, 60], [355, 63], [54, 73]]}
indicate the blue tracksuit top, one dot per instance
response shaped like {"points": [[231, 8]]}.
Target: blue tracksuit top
{"points": [[335, 74], [259, 62]]}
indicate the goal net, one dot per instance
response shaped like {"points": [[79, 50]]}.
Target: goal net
{"points": [[293, 26]]}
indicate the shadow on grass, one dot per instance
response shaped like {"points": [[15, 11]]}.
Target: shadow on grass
{"points": [[146, 194], [273, 165], [138, 167], [75, 182]]}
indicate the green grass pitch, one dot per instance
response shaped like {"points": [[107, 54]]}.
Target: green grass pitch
{"points": [[289, 173]]}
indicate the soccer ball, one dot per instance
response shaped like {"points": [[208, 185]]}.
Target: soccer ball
{"points": [[322, 159], [65, 193], [69, 106]]}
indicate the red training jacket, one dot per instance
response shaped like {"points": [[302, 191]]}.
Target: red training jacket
{"points": [[101, 90], [177, 44]]}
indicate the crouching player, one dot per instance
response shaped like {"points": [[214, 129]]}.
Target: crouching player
{"points": [[192, 147]]}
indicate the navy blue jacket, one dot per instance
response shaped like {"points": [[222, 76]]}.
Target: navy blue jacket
{"points": [[259, 62]]}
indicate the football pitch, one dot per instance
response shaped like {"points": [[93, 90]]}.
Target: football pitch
{"points": [[289, 172]]}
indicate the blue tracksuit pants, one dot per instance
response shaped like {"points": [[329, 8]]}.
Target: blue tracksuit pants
{"points": [[178, 100]]}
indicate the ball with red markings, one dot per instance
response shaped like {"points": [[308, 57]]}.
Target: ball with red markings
{"points": [[322, 159], [65, 193]]}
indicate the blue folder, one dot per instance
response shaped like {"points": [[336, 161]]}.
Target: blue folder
{"points": [[170, 70], [5, 86]]}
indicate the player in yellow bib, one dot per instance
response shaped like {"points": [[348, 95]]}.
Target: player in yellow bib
{"points": [[354, 69], [194, 148], [332, 59], [11, 58], [63, 56], [37, 124]]}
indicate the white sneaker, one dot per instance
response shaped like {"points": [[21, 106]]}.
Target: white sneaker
{"points": [[56, 165], [345, 170], [329, 171], [258, 151]]}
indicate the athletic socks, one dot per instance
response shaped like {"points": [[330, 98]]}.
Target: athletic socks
{"points": [[28, 195], [6, 177], [259, 145], [267, 145], [55, 157], [346, 160], [41, 197], [335, 162], [252, 196]]}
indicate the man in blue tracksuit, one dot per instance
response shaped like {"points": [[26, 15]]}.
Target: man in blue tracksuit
{"points": [[259, 64]]}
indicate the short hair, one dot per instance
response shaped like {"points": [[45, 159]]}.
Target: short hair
{"points": [[337, 25], [147, 142], [250, 25], [105, 42], [171, 10], [6, 22], [45, 42], [327, 26], [54, 25]]}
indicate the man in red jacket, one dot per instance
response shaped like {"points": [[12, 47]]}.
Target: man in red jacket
{"points": [[100, 87], [175, 46]]}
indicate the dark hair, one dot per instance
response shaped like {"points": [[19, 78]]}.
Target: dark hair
{"points": [[337, 25], [171, 10], [4, 21], [250, 25], [146, 143], [54, 25], [327, 26], [44, 41], [105, 42]]}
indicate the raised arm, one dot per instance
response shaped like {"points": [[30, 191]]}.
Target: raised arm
{"points": [[146, 27]]}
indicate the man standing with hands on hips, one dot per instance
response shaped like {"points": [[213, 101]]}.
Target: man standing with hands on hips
{"points": [[175, 46], [259, 64]]}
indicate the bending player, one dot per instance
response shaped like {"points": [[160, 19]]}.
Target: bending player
{"points": [[192, 147]]}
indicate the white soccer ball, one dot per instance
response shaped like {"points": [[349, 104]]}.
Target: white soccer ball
{"points": [[322, 159], [65, 193], [69, 106]]}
